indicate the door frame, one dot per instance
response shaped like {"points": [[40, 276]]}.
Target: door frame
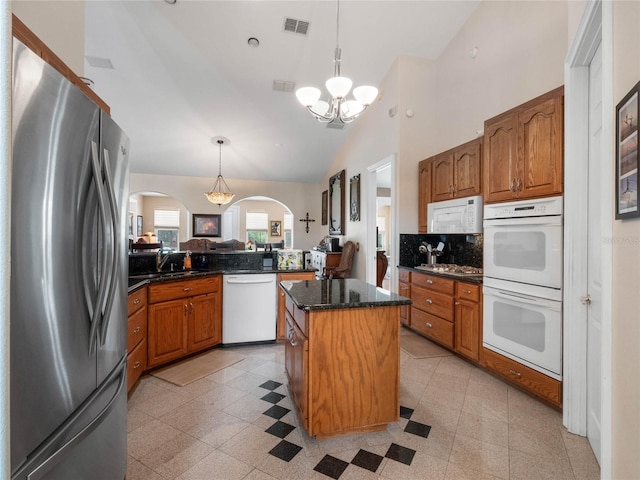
{"points": [[595, 28], [371, 221]]}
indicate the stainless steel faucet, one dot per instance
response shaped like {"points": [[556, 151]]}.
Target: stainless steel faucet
{"points": [[161, 260]]}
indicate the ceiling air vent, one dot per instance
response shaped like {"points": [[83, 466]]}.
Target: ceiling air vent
{"points": [[335, 125], [283, 85], [99, 62], [292, 25]]}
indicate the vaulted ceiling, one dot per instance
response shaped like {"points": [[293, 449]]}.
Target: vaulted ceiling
{"points": [[183, 73]]}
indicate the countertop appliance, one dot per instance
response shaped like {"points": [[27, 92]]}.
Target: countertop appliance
{"points": [[68, 280], [249, 308], [522, 285], [459, 215]]}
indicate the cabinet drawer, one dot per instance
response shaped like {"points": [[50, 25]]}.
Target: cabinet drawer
{"points": [[136, 328], [404, 276], [433, 327], [137, 300], [468, 291], [531, 380], [297, 314], [433, 282], [136, 364], [432, 302], [164, 291]]}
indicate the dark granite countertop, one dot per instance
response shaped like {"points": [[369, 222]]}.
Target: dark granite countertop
{"points": [[469, 278], [139, 280], [338, 293]]}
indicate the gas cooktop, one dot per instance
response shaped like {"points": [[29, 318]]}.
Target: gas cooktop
{"points": [[450, 268]]}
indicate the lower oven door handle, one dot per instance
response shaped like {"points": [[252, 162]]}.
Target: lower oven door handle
{"points": [[521, 298]]}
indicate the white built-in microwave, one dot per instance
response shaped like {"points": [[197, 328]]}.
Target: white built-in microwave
{"points": [[459, 215]]}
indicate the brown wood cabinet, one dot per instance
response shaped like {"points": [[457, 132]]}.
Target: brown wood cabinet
{"points": [[468, 320], [136, 336], [404, 289], [526, 378], [343, 368], [457, 172], [31, 40], [523, 150], [424, 193], [185, 316], [281, 323], [432, 312]]}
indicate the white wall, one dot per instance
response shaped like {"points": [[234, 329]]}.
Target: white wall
{"points": [[626, 270]]}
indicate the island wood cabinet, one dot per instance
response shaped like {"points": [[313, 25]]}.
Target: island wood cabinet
{"points": [[136, 336], [281, 323], [523, 150], [342, 366], [457, 173], [185, 316]]}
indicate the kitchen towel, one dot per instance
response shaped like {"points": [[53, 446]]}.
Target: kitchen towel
{"points": [[419, 347], [194, 368]]}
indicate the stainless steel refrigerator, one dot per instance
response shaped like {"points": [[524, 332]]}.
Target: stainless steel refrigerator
{"points": [[68, 280]]}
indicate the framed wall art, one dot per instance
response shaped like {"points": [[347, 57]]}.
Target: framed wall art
{"points": [[627, 155], [325, 207], [206, 225], [276, 228], [354, 198]]}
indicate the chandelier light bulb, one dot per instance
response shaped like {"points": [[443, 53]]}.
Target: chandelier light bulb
{"points": [[308, 96], [320, 108], [339, 86], [365, 94]]}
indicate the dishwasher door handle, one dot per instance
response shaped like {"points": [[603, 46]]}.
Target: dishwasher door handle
{"points": [[238, 281]]}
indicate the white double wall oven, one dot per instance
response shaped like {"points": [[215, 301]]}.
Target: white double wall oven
{"points": [[523, 282]]}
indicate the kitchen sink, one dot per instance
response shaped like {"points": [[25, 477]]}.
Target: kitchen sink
{"points": [[180, 274]]}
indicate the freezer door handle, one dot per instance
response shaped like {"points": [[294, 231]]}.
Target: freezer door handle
{"points": [[239, 281], [42, 465]]}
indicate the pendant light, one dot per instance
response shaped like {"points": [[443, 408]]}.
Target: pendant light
{"points": [[338, 108], [220, 193]]}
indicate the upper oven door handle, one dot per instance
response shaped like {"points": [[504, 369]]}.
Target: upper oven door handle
{"points": [[550, 221], [523, 298]]}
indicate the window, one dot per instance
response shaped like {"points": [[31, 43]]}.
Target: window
{"points": [[167, 226], [288, 229], [257, 226]]}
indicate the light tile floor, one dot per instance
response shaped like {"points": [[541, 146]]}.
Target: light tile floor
{"points": [[481, 428]]}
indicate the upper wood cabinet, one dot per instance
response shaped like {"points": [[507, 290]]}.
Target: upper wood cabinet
{"points": [[456, 173], [523, 150], [424, 193], [31, 40]]}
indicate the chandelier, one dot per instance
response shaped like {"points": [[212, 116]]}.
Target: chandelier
{"points": [[338, 108], [220, 193]]}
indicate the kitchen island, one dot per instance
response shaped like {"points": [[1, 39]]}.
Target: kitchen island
{"points": [[342, 355]]}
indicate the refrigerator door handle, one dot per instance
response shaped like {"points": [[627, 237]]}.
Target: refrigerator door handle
{"points": [[102, 214], [112, 268], [43, 466]]}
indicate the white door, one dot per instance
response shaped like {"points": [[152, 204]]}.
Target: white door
{"points": [[594, 241]]}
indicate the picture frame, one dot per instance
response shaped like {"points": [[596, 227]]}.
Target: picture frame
{"points": [[354, 198], [206, 225], [139, 226], [131, 214], [325, 207], [627, 155], [276, 228]]}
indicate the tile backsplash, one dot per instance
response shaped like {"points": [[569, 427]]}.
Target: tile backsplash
{"points": [[459, 249]]}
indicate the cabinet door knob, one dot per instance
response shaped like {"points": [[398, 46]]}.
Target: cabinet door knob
{"points": [[519, 185], [429, 281], [186, 309], [187, 289], [456, 303], [137, 329], [429, 301], [513, 372], [136, 365], [466, 292], [512, 185], [136, 301], [429, 325]]}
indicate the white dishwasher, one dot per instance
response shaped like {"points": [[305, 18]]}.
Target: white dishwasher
{"points": [[249, 308]]}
